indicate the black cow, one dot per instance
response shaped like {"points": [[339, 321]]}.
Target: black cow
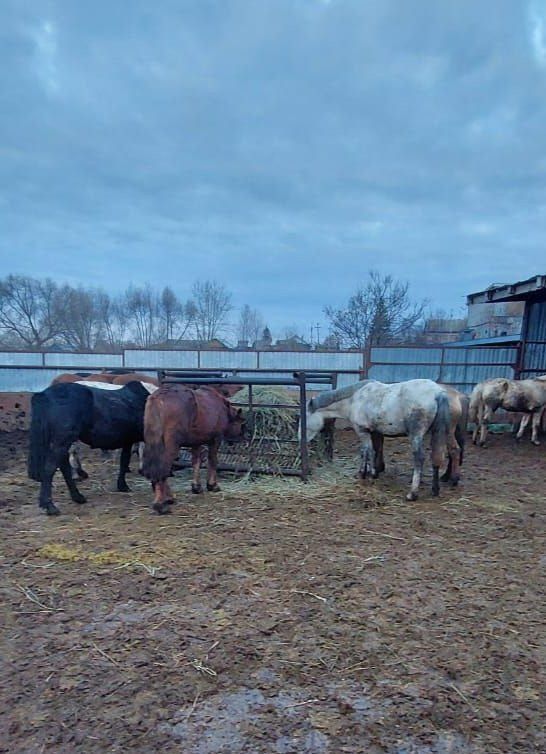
{"points": [[67, 412]]}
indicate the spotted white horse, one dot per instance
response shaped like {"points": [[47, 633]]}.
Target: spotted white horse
{"points": [[376, 410]]}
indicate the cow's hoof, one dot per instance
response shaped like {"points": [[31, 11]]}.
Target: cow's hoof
{"points": [[411, 496], [535, 442], [213, 487], [50, 509], [79, 499], [123, 488], [197, 489]]}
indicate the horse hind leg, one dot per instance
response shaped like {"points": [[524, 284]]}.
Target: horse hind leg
{"points": [[196, 486], [523, 426], [535, 426], [418, 459], [66, 471], [44, 500], [78, 471], [212, 464], [124, 459]]}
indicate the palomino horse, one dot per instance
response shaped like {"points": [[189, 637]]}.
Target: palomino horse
{"points": [[522, 396], [177, 416], [376, 410], [459, 404], [64, 413]]}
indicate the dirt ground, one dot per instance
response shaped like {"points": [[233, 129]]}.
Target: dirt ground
{"points": [[275, 616]]}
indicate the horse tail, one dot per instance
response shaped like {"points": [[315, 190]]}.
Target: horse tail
{"points": [[40, 436], [475, 404], [460, 431], [155, 466], [442, 422]]}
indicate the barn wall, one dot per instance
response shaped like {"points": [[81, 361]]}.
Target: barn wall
{"points": [[535, 348]]}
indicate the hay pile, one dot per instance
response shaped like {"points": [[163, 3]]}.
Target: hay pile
{"points": [[272, 421]]}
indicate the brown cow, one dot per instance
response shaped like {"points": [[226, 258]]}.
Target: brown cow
{"points": [[176, 417]]}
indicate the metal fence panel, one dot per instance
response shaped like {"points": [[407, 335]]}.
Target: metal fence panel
{"points": [[405, 355], [298, 360], [161, 359], [473, 355], [94, 360], [229, 359], [26, 380], [402, 372], [23, 358]]}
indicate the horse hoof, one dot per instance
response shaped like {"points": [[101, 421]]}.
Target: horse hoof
{"points": [[535, 442], [445, 478], [162, 508], [80, 499], [50, 509], [83, 475], [197, 489], [123, 488], [213, 487], [411, 496]]}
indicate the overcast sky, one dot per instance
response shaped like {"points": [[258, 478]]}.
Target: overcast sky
{"points": [[282, 147]]}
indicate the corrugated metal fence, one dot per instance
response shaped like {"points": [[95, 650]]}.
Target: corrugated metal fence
{"points": [[460, 367], [27, 371]]}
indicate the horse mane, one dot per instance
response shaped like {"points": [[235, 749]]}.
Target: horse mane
{"points": [[332, 396]]}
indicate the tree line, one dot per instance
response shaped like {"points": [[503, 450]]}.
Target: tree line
{"points": [[40, 313]]}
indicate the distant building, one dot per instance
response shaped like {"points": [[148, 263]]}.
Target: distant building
{"points": [[442, 330], [492, 319], [294, 343], [190, 345], [523, 306]]}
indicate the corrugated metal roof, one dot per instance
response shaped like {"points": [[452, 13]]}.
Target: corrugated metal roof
{"points": [[497, 341]]}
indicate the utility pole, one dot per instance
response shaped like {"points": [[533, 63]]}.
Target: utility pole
{"points": [[318, 334]]}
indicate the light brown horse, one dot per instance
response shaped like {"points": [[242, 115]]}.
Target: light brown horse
{"points": [[459, 404], [79, 376], [123, 379], [520, 396], [177, 416]]}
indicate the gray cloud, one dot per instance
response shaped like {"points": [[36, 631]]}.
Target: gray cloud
{"points": [[284, 147]]}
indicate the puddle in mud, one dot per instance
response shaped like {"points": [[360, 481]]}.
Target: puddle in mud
{"points": [[235, 722]]}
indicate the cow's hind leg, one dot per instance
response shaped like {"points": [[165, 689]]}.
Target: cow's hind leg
{"points": [[66, 471]]}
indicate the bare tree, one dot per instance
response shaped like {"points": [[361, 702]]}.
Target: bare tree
{"points": [[32, 311], [176, 317], [212, 306], [250, 324], [114, 319], [82, 324], [142, 306], [379, 312]]}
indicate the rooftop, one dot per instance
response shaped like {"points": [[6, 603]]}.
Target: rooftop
{"points": [[532, 288]]}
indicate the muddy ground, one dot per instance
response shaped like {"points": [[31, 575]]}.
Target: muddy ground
{"points": [[277, 617]]}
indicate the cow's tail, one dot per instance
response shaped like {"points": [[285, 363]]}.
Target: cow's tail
{"points": [[40, 436], [155, 465], [442, 422]]}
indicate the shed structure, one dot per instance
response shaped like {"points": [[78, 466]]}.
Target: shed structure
{"points": [[532, 347]]}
